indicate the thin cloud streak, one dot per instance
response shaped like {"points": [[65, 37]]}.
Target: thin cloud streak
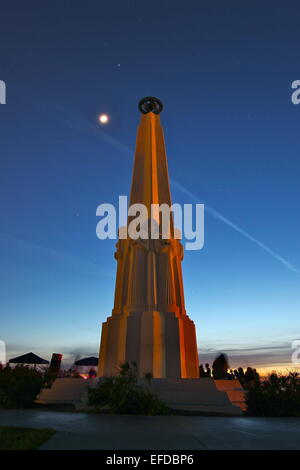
{"points": [[235, 227]]}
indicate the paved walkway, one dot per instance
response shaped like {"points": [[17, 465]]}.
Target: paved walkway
{"points": [[92, 431]]}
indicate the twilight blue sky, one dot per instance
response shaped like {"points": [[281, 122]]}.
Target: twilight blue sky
{"points": [[224, 71]]}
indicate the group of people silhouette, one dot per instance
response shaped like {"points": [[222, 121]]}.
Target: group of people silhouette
{"points": [[220, 370]]}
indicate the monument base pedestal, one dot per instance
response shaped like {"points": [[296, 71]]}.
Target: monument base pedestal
{"points": [[203, 395], [207, 396]]}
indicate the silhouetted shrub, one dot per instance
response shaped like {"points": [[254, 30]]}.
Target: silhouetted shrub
{"points": [[19, 386], [123, 394], [279, 395]]}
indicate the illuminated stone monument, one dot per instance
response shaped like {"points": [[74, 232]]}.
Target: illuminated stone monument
{"points": [[149, 324]]}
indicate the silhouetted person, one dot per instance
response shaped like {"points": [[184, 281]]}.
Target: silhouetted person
{"points": [[241, 376], [201, 371], [249, 377], [208, 370], [220, 367], [256, 376], [1, 367], [92, 373]]}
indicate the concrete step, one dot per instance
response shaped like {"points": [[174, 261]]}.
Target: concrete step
{"points": [[65, 391], [225, 385], [192, 397], [234, 390], [202, 395], [199, 394]]}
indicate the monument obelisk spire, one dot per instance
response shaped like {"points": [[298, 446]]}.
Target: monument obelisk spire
{"points": [[150, 180], [149, 324]]}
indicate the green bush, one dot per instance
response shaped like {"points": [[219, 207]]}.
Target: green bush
{"points": [[19, 386], [123, 394], [277, 396]]}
